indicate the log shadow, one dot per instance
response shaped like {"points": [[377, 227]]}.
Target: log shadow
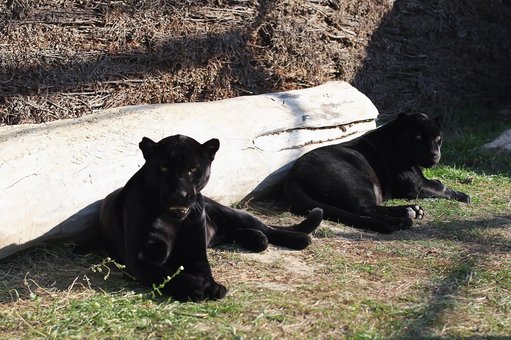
{"points": [[79, 227], [52, 262]]}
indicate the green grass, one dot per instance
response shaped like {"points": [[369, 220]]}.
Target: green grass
{"points": [[449, 276], [466, 132]]}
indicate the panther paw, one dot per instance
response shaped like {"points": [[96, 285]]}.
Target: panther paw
{"points": [[415, 212], [215, 291], [462, 197], [201, 291]]}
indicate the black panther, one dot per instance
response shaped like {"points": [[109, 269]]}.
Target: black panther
{"points": [[159, 221], [350, 180]]}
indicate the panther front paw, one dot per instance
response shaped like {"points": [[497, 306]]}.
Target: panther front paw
{"points": [[186, 287], [415, 212], [212, 291], [462, 197], [215, 291]]}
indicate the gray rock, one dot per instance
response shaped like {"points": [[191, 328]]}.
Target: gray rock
{"points": [[501, 143]]}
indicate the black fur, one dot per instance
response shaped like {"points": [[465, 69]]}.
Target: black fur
{"points": [[159, 220], [349, 181]]}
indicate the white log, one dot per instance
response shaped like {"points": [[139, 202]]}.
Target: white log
{"points": [[52, 175]]}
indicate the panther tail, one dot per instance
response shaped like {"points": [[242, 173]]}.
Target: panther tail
{"points": [[310, 223], [301, 202], [295, 236]]}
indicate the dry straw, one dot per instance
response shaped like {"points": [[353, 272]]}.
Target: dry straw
{"points": [[67, 58]]}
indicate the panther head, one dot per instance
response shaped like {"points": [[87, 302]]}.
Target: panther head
{"points": [[177, 168], [420, 138]]}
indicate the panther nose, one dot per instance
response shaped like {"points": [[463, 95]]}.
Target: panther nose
{"points": [[181, 195]]}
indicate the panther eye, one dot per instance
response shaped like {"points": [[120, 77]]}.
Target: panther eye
{"points": [[192, 171], [418, 136], [163, 168]]}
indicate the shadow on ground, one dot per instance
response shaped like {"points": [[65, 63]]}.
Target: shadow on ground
{"points": [[49, 268], [477, 240], [470, 234]]}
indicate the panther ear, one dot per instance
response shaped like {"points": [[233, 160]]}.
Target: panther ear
{"points": [[147, 147], [439, 120], [211, 147]]}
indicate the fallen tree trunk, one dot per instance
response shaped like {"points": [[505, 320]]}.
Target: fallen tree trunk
{"points": [[53, 176]]}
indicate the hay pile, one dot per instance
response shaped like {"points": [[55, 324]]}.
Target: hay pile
{"points": [[67, 58]]}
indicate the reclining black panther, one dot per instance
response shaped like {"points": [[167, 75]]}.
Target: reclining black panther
{"points": [[350, 180], [159, 221]]}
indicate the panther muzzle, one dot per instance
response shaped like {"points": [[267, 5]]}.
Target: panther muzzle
{"points": [[178, 211]]}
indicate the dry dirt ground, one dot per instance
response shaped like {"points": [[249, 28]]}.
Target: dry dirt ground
{"points": [[67, 58]]}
